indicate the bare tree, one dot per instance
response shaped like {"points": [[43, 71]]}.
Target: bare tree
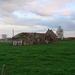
{"points": [[4, 36]]}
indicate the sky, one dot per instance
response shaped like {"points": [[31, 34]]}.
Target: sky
{"points": [[37, 16]]}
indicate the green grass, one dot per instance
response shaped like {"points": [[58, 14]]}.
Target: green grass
{"points": [[40, 59]]}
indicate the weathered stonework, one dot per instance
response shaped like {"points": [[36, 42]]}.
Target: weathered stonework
{"points": [[34, 38]]}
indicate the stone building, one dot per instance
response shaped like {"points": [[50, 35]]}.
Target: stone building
{"points": [[34, 38]]}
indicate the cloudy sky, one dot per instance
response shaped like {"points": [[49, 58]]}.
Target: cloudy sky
{"points": [[37, 16]]}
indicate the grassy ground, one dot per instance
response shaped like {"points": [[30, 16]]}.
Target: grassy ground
{"points": [[41, 59]]}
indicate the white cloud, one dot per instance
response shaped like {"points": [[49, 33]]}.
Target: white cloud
{"points": [[9, 6], [47, 7], [65, 13], [73, 21], [37, 15], [69, 34], [43, 12]]}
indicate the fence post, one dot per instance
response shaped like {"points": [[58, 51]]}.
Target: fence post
{"points": [[3, 70]]}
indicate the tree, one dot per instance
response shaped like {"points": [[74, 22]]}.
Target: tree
{"points": [[60, 32], [4, 36]]}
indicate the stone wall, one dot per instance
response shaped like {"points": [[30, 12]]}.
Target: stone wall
{"points": [[33, 38]]}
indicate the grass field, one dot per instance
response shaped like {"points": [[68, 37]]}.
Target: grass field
{"points": [[40, 59]]}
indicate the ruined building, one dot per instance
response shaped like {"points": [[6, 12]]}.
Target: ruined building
{"points": [[34, 38]]}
